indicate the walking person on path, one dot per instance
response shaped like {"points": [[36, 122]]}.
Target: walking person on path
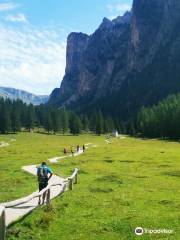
{"points": [[65, 151], [77, 148], [72, 152], [83, 148], [44, 173]]}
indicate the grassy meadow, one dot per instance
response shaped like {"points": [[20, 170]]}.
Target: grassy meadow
{"points": [[128, 183]]}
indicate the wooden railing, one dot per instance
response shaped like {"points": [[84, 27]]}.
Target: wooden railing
{"points": [[2, 223], [73, 179], [34, 195], [68, 183]]}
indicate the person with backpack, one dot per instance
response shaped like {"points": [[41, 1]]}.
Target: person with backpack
{"points": [[44, 173]]}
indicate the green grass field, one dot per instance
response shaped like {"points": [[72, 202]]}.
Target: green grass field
{"points": [[123, 185]]}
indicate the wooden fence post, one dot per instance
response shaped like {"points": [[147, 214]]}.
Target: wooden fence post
{"points": [[76, 178], [48, 196], [2, 223], [71, 184]]}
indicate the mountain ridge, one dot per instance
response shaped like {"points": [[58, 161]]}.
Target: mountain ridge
{"points": [[13, 94]]}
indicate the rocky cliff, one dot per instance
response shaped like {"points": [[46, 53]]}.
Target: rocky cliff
{"points": [[128, 62]]}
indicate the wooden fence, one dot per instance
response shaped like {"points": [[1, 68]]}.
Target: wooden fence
{"points": [[67, 184], [2, 223]]}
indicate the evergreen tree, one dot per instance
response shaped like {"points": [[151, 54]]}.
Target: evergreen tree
{"points": [[37, 123], [64, 121], [106, 127], [131, 128], [161, 120], [30, 117], [5, 118], [41, 114], [56, 121], [110, 124], [123, 127], [15, 117], [117, 125], [85, 123], [93, 121], [99, 123], [23, 115], [75, 124], [48, 122]]}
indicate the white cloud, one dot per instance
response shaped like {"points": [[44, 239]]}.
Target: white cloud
{"points": [[110, 7], [31, 59], [112, 17], [123, 7], [6, 6], [117, 9], [20, 17]]}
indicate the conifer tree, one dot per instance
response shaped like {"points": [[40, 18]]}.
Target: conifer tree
{"points": [[15, 117], [110, 124], [56, 121], [64, 121], [5, 118], [48, 122], [106, 127], [85, 123], [99, 123], [75, 124], [30, 117]]}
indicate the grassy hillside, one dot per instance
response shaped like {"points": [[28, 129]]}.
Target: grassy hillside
{"points": [[128, 183]]}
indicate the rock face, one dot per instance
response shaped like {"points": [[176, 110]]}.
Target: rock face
{"points": [[90, 60], [128, 62], [26, 97]]}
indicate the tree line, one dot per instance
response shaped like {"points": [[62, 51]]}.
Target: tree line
{"points": [[16, 115], [161, 120]]}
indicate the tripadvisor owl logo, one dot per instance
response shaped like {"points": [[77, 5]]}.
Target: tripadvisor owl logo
{"points": [[139, 231]]}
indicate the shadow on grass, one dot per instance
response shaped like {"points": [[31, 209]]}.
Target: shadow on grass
{"points": [[109, 161], [172, 173], [141, 176], [164, 165], [166, 202], [110, 179], [100, 190], [127, 161]]}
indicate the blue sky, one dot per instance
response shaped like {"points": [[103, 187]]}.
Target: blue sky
{"points": [[33, 37]]}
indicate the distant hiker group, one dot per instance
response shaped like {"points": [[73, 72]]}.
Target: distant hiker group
{"points": [[72, 149]]}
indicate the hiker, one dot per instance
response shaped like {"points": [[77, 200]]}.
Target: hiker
{"points": [[65, 151], [83, 148], [72, 152], [44, 173], [77, 148]]}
